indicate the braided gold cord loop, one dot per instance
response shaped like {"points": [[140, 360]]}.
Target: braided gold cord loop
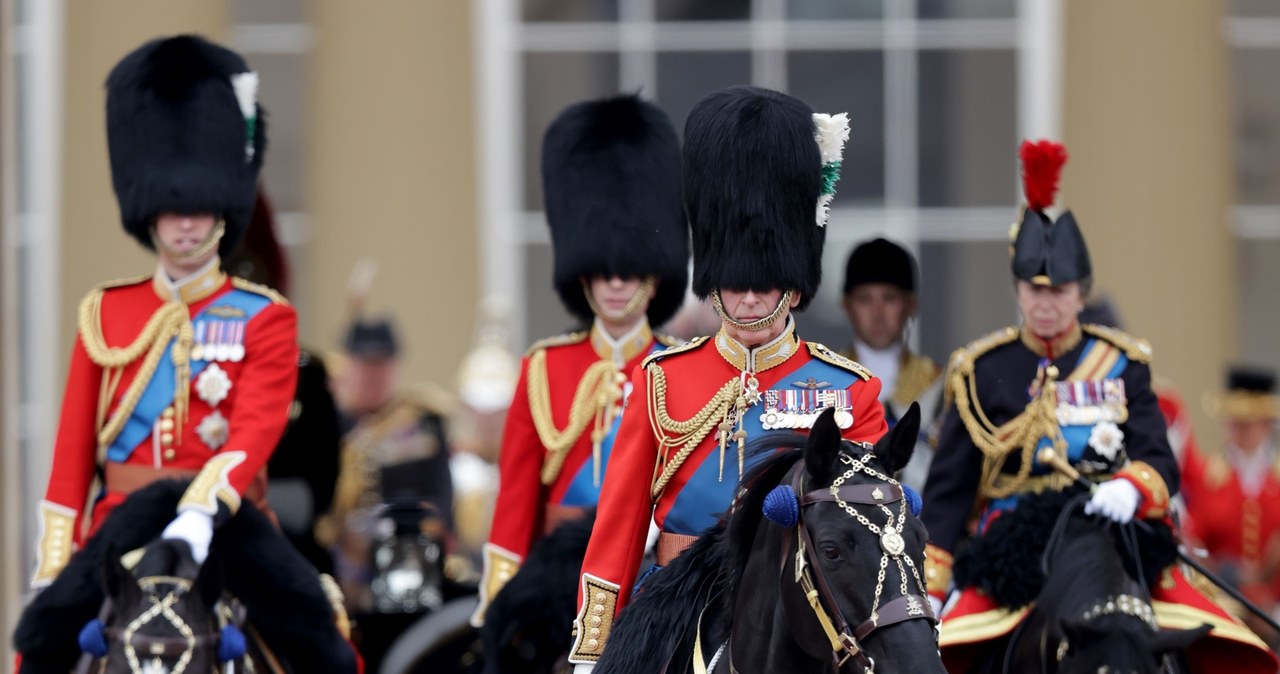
{"points": [[594, 400], [686, 435], [169, 321]]}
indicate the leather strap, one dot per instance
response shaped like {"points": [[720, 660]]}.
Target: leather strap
{"points": [[671, 545], [865, 494]]}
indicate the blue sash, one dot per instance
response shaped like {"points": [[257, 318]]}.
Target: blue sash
{"points": [[158, 393], [706, 495]]}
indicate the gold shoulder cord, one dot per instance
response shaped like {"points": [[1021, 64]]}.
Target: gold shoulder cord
{"points": [[684, 435], [595, 399], [1039, 420], [169, 321]]}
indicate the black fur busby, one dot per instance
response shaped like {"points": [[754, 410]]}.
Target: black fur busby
{"points": [[611, 183], [752, 178], [178, 139], [880, 261], [1046, 251]]}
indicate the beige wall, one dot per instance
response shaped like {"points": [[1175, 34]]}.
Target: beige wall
{"points": [[392, 175], [94, 246], [1148, 125]]}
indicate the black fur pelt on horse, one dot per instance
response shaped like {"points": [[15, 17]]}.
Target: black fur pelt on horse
{"points": [[660, 620], [531, 617], [1005, 562], [279, 588]]}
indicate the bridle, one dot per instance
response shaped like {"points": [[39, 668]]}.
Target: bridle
{"points": [[846, 643], [141, 647]]}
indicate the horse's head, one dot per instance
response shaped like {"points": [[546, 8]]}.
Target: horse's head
{"points": [[1112, 639], [853, 577], [160, 617]]}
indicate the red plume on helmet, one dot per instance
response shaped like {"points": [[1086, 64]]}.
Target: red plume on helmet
{"points": [[1042, 163]]}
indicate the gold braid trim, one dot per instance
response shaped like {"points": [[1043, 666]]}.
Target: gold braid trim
{"points": [[333, 593], [259, 289], [1039, 420], [169, 321], [686, 434], [1135, 348], [595, 400]]}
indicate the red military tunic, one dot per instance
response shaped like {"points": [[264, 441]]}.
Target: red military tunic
{"points": [[557, 440], [680, 479], [236, 342], [1239, 524]]}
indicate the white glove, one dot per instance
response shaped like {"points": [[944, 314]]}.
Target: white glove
{"points": [[936, 605], [583, 669], [194, 527], [1117, 500]]}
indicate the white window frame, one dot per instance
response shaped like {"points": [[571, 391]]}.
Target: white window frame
{"points": [[501, 38]]}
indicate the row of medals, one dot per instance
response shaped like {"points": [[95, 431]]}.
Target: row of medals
{"points": [[227, 344]]}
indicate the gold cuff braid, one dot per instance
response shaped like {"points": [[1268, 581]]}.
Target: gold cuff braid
{"points": [[499, 566], [57, 529], [1155, 493], [213, 484], [595, 619]]}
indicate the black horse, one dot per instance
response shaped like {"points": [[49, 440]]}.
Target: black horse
{"points": [[820, 537], [1088, 582], [285, 605], [527, 627]]}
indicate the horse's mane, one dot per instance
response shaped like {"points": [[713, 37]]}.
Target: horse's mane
{"points": [[1005, 561], [660, 623]]}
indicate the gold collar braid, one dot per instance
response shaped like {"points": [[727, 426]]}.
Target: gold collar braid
{"points": [[170, 321], [595, 400]]}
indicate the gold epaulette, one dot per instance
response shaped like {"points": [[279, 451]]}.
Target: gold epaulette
{"points": [[682, 348], [120, 283], [558, 340], [1135, 348], [667, 340], [259, 289], [826, 355], [964, 357]]}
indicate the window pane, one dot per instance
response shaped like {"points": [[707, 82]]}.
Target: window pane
{"points": [[966, 291], [685, 77], [703, 10], [967, 128], [570, 10], [553, 82], [543, 314], [834, 9], [1251, 8], [283, 95], [1257, 125], [1259, 322], [968, 9], [269, 11], [853, 82]]}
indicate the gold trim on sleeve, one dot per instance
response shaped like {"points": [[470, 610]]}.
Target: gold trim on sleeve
{"points": [[1155, 493], [57, 528], [500, 566], [213, 484], [594, 621], [338, 603], [937, 569]]}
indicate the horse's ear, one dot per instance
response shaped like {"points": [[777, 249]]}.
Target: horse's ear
{"points": [[1167, 641], [896, 447], [822, 447], [116, 580], [211, 580]]}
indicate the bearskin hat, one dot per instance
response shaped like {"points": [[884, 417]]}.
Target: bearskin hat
{"points": [[753, 175], [611, 184], [1046, 251], [185, 135]]}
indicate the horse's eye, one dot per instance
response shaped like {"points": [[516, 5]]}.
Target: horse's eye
{"points": [[830, 551]]}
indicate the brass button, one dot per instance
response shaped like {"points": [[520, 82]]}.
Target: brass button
{"points": [[166, 424], [170, 455], [593, 644], [594, 632], [167, 413], [166, 438]]}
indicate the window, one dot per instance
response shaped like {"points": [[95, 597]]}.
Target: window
{"points": [[1252, 30], [932, 89]]}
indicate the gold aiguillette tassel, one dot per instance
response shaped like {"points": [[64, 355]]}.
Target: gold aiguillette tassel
{"points": [[725, 429]]}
